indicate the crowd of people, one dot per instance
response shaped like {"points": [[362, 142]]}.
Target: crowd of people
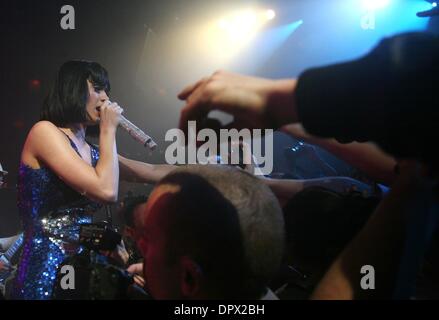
{"points": [[220, 232]]}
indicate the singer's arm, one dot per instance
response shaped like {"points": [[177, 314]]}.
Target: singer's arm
{"points": [[141, 172]]}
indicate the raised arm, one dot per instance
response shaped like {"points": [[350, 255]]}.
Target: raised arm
{"points": [[368, 99], [366, 157], [380, 245], [48, 146], [141, 172]]}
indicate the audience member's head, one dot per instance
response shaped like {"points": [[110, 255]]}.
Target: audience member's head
{"points": [[131, 212], [211, 232]]}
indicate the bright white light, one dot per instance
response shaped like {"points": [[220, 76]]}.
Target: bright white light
{"points": [[228, 35], [239, 26], [271, 14], [375, 4], [434, 4], [223, 24]]}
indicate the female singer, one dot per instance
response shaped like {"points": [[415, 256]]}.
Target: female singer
{"points": [[63, 179]]}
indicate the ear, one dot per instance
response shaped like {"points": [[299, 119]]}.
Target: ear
{"points": [[191, 278]]}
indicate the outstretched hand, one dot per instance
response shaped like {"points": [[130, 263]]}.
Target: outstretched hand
{"points": [[254, 102]]}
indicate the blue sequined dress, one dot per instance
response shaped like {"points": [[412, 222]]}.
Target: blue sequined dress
{"points": [[51, 214]]}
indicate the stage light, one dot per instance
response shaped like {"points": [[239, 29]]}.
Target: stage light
{"points": [[372, 5], [229, 34], [432, 10], [270, 14], [223, 24], [264, 47], [240, 27], [242, 23]]}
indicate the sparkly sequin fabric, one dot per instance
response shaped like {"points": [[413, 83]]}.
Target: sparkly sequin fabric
{"points": [[51, 214]]}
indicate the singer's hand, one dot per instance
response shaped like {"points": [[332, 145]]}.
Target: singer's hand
{"points": [[109, 114]]}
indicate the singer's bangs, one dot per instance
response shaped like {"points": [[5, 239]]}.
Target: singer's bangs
{"points": [[67, 100], [99, 77]]}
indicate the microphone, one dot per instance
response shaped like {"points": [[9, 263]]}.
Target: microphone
{"points": [[137, 133]]}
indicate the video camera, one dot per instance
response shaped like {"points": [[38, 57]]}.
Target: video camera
{"points": [[99, 236]]}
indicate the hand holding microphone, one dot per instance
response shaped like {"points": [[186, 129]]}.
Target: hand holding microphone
{"points": [[109, 115], [112, 113]]}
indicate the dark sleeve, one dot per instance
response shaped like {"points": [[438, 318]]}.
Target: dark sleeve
{"points": [[388, 96]]}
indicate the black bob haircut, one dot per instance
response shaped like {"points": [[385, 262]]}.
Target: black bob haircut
{"points": [[66, 102]]}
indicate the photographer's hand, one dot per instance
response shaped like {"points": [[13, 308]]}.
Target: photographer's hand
{"points": [[137, 271], [136, 268]]}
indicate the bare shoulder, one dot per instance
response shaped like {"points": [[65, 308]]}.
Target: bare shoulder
{"points": [[43, 128], [44, 132], [43, 135], [40, 135]]}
